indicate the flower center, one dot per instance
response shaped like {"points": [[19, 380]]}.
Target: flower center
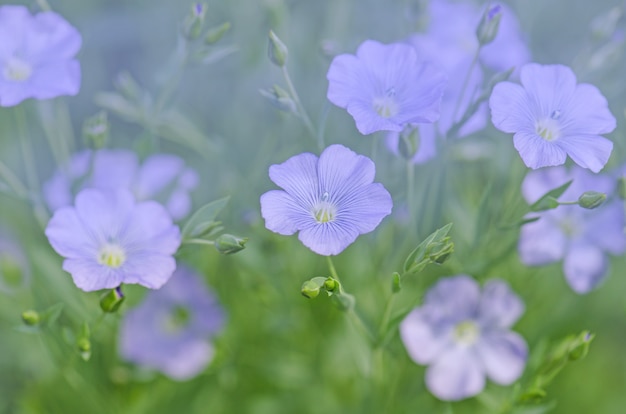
{"points": [[570, 227], [17, 70], [178, 318], [549, 128], [324, 211], [386, 105], [112, 255], [466, 332]]}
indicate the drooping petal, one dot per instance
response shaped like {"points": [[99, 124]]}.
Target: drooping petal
{"points": [[423, 341], [588, 151], [585, 267], [456, 374], [503, 355], [499, 305]]}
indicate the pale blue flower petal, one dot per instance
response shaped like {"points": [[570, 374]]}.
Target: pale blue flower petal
{"points": [[456, 374], [503, 355]]}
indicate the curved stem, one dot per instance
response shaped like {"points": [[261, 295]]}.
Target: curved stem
{"points": [[457, 106], [301, 111]]}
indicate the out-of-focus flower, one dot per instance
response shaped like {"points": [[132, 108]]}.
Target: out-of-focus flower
{"points": [[385, 87], [161, 177], [553, 117], [579, 237], [108, 239], [171, 329], [14, 268], [36, 56], [450, 43], [330, 200], [464, 334]]}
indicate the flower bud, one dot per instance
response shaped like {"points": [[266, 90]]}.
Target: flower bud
{"points": [[310, 289], [216, 33], [128, 86], [30, 317], [591, 199], [396, 282], [229, 244], [279, 98], [331, 284], [488, 27], [83, 344], [581, 346], [192, 26], [441, 251], [96, 130], [277, 51], [111, 301]]}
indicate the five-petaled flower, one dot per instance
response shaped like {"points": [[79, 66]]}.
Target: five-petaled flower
{"points": [[171, 329], [579, 237], [464, 334], [553, 117], [330, 200], [108, 239], [36, 56], [385, 87]]}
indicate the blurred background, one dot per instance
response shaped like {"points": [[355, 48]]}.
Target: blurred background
{"points": [[279, 352]]}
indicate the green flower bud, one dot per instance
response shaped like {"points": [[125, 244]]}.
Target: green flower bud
{"points": [[591, 199], [310, 289], [581, 346], [83, 344], [96, 130], [216, 33], [229, 244], [279, 98], [441, 251], [409, 142], [111, 301], [128, 86], [30, 317], [331, 284], [487, 29], [192, 26], [277, 51]]}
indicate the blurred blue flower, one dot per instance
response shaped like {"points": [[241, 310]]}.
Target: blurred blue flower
{"points": [[464, 334], [450, 43], [553, 117], [36, 56], [385, 87], [161, 177], [108, 239], [170, 330], [579, 237], [330, 200]]}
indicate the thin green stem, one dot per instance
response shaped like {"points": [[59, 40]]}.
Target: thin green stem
{"points": [[12, 181], [410, 188], [385, 320], [29, 164], [457, 106], [331, 267], [322, 126], [301, 111], [199, 241]]}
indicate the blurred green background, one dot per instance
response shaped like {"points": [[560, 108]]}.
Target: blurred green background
{"points": [[282, 353]]}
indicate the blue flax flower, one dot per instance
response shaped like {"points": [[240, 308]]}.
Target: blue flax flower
{"points": [[330, 200], [170, 330], [161, 177], [464, 335], [553, 117], [385, 87], [108, 239], [36, 56], [579, 237]]}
